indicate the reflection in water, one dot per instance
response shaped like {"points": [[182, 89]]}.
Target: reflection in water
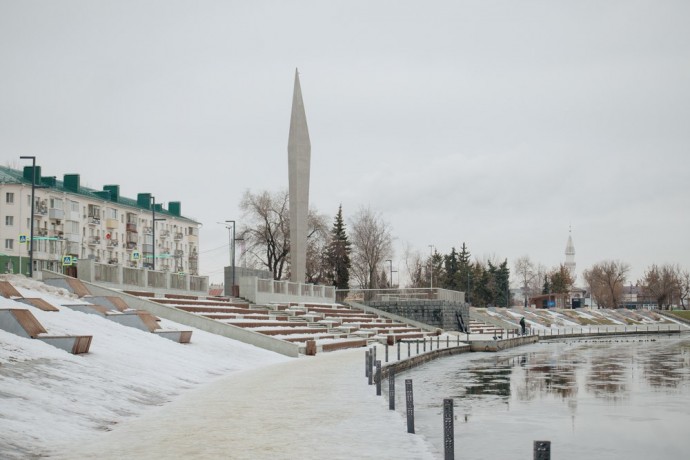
{"points": [[625, 396]]}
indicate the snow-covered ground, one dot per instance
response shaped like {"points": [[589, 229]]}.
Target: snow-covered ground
{"points": [[137, 395]]}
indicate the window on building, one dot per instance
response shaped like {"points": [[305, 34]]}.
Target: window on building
{"points": [[9, 243], [9, 197], [9, 221], [56, 203], [111, 213]]}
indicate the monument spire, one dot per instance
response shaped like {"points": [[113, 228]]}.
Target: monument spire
{"points": [[299, 162]]}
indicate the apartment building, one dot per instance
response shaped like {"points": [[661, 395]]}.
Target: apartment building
{"points": [[83, 223]]}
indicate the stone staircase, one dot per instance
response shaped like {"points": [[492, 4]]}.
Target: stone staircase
{"points": [[328, 326]]}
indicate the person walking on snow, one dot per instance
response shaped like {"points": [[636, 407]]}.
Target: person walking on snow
{"points": [[522, 325]]}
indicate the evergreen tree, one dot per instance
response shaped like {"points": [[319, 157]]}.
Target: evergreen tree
{"points": [[561, 280], [451, 265], [339, 250], [502, 275], [464, 274], [547, 286]]}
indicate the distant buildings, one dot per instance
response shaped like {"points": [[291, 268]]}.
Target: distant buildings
{"points": [[74, 222]]}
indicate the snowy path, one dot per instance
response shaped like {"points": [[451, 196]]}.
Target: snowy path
{"points": [[308, 408]]}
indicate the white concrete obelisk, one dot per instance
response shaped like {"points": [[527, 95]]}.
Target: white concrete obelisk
{"points": [[299, 160]]}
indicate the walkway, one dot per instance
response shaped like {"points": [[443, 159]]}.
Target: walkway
{"points": [[309, 408]]}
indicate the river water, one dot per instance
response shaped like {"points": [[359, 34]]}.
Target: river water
{"points": [[614, 398]]}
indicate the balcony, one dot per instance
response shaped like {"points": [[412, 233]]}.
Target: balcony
{"points": [[94, 221], [113, 243], [73, 237], [41, 232], [113, 261], [178, 236], [56, 234], [164, 233], [131, 245], [54, 213], [131, 228], [111, 223], [40, 208], [93, 240], [148, 230]]}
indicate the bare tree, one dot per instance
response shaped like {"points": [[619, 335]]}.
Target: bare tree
{"points": [[266, 233], [606, 280], [414, 264], [662, 283], [266, 230], [525, 272], [318, 240], [684, 287], [371, 244]]}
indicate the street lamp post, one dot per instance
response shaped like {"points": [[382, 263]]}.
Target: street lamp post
{"points": [[390, 281], [153, 231], [232, 256], [33, 203], [431, 265]]}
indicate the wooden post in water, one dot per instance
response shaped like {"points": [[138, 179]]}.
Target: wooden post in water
{"points": [[378, 378], [542, 450], [391, 389], [409, 400], [448, 430]]}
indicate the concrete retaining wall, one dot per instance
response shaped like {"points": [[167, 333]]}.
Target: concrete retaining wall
{"points": [[502, 344], [437, 313], [409, 363]]}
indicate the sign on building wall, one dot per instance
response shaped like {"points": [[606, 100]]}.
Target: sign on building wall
{"points": [[135, 255], [67, 260]]}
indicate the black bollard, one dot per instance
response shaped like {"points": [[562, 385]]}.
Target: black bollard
{"points": [[378, 378], [408, 349], [391, 389], [386, 352], [409, 400], [542, 450], [448, 430], [366, 363], [417, 341], [398, 351]]}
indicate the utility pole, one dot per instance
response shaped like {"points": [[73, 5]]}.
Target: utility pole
{"points": [[232, 255], [431, 265], [153, 230]]}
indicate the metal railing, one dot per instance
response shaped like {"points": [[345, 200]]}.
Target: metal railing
{"points": [[402, 294]]}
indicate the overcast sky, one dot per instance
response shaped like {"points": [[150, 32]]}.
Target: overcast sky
{"points": [[496, 123]]}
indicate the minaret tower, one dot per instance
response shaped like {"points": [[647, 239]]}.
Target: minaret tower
{"points": [[570, 253]]}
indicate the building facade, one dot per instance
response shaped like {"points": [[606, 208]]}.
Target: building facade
{"points": [[73, 222]]}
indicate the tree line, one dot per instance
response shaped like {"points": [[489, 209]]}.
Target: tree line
{"points": [[357, 257]]}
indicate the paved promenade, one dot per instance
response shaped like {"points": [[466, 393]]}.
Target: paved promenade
{"points": [[309, 408]]}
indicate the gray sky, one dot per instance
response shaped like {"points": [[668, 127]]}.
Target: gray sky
{"points": [[497, 123]]}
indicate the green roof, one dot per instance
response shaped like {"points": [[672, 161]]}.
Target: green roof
{"points": [[13, 176]]}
